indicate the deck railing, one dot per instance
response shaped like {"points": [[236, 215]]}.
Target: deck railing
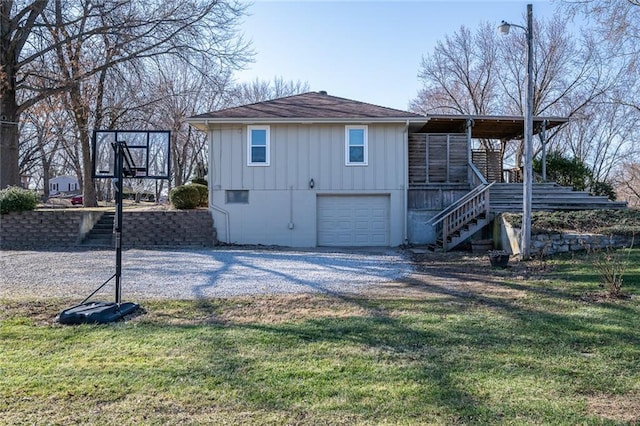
{"points": [[476, 177], [462, 212]]}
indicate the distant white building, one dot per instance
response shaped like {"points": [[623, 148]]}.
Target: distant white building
{"points": [[63, 184]]}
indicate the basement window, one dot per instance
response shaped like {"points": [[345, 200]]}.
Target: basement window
{"points": [[356, 149], [237, 196]]}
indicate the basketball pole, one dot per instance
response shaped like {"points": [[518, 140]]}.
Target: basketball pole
{"points": [[118, 222]]}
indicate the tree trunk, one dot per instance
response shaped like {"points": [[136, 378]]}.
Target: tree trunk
{"points": [[9, 154], [81, 116], [88, 187], [45, 178]]}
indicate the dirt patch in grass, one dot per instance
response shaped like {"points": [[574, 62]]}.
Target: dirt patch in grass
{"points": [[269, 309], [288, 308], [40, 312], [462, 275], [602, 297], [619, 408]]}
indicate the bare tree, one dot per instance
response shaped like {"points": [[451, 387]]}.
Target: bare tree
{"points": [[627, 183], [617, 25], [48, 121], [263, 90], [606, 132], [174, 92], [87, 39], [601, 135], [482, 73], [459, 77], [17, 20]]}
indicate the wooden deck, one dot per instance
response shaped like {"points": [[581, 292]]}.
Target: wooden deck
{"points": [[507, 197], [466, 188], [472, 212]]}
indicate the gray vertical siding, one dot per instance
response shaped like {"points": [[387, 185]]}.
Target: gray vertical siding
{"points": [[300, 152], [282, 208]]}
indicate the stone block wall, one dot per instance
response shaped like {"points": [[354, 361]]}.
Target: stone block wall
{"points": [[191, 228], [556, 242], [45, 228], [67, 228], [565, 242]]}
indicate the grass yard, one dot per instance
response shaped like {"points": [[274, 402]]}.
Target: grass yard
{"points": [[452, 344]]}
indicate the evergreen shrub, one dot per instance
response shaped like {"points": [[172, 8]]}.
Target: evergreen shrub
{"points": [[15, 199], [185, 197], [204, 194]]}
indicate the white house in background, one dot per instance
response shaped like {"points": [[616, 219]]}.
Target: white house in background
{"points": [[63, 184], [318, 170]]}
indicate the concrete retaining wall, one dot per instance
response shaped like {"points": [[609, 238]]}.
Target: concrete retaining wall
{"points": [[67, 228]]}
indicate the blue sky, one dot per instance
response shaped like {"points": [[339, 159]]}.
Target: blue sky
{"points": [[365, 50]]}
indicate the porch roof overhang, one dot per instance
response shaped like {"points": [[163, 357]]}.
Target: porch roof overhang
{"points": [[486, 127]]}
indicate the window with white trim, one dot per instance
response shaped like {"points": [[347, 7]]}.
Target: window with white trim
{"points": [[356, 149], [258, 146]]}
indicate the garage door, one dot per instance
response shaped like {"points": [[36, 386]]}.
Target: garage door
{"points": [[353, 220]]}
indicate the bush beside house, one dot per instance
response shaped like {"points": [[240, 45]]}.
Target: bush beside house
{"points": [[186, 197]]}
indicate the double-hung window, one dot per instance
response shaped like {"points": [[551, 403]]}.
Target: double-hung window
{"points": [[258, 146], [356, 150]]}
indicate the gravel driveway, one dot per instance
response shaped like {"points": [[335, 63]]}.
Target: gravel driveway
{"points": [[192, 274]]}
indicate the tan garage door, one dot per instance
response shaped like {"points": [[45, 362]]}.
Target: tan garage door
{"points": [[353, 220]]}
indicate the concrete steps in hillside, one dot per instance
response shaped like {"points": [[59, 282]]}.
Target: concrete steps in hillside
{"points": [[101, 235]]}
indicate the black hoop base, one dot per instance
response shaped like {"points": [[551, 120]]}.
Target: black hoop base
{"points": [[96, 312]]}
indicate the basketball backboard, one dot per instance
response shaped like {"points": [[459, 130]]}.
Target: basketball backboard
{"points": [[147, 156]]}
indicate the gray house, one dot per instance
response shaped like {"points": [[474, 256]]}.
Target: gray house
{"points": [[318, 170]]}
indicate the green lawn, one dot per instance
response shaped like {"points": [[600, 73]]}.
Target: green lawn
{"points": [[524, 351]]}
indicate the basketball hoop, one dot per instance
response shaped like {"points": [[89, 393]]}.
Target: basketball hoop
{"points": [[118, 155]]}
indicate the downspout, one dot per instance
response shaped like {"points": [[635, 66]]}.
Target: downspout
{"points": [[226, 217], [405, 195], [211, 205]]}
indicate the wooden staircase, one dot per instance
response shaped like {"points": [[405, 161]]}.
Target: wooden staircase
{"points": [[464, 218], [507, 197], [468, 215]]}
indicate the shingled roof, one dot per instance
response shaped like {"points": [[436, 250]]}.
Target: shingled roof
{"points": [[310, 105], [319, 107]]}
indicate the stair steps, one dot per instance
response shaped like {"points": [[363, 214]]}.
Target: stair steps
{"points": [[547, 197], [101, 235], [467, 231]]}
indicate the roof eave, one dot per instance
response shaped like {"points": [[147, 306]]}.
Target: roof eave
{"points": [[203, 123], [514, 118]]}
